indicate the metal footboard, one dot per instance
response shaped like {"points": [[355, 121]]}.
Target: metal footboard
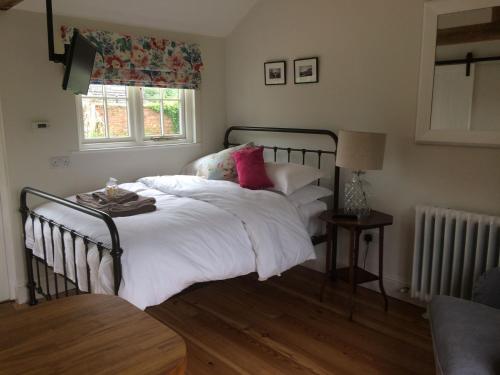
{"points": [[37, 283]]}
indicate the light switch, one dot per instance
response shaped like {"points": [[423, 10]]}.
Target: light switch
{"points": [[40, 125]]}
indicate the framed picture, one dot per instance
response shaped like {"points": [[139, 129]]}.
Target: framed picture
{"points": [[306, 70], [275, 73]]}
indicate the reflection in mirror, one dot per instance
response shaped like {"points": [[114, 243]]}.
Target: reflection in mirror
{"points": [[466, 94]]}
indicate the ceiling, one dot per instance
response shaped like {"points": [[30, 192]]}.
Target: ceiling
{"points": [[205, 17]]}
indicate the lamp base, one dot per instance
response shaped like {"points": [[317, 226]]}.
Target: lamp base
{"points": [[355, 202]]}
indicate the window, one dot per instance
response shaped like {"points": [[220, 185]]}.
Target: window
{"points": [[114, 116]]}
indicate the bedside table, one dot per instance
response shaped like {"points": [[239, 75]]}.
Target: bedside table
{"points": [[354, 274]]}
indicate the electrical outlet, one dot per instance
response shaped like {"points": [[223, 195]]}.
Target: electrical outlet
{"points": [[59, 162], [370, 236], [367, 237]]}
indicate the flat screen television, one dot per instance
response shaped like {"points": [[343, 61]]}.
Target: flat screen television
{"points": [[79, 64]]}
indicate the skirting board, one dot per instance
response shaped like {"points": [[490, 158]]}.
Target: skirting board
{"points": [[393, 286], [22, 294]]}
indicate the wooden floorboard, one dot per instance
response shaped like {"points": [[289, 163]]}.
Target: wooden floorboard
{"points": [[6, 308], [243, 326]]}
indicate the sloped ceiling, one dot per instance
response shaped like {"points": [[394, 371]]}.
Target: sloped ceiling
{"points": [[206, 17]]}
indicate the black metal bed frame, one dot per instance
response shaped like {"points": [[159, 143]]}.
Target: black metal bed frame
{"points": [[113, 248]]}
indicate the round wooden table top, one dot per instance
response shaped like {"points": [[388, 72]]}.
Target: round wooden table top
{"points": [[88, 334]]}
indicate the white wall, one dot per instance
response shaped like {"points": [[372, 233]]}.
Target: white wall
{"points": [[369, 59], [30, 87], [369, 56], [5, 292]]}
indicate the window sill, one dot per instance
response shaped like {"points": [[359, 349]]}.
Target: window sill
{"points": [[86, 149]]}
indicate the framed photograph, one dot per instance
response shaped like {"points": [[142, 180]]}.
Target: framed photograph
{"points": [[275, 73], [306, 70]]}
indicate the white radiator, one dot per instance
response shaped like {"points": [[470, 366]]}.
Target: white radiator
{"points": [[452, 249]]}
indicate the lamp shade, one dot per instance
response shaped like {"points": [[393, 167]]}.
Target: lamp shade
{"points": [[360, 151]]}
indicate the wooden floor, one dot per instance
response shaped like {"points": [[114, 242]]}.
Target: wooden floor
{"points": [[6, 308], [242, 326]]}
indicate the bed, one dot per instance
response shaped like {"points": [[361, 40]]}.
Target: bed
{"points": [[202, 231]]}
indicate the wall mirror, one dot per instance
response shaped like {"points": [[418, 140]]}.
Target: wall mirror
{"points": [[459, 92]]}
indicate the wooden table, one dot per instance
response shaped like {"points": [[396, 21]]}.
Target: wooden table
{"points": [[88, 334], [354, 274]]}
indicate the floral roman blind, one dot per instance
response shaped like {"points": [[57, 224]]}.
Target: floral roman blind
{"points": [[141, 61]]}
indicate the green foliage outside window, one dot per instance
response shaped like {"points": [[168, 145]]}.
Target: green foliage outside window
{"points": [[170, 110], [97, 132]]}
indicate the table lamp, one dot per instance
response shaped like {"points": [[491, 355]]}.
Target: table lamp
{"points": [[359, 152]]}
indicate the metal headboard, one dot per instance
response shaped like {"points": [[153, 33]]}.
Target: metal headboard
{"points": [[290, 150]]}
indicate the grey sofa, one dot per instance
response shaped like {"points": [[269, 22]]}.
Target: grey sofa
{"points": [[466, 334]]}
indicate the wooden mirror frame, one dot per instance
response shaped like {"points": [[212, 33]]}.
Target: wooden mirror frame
{"points": [[424, 133]]}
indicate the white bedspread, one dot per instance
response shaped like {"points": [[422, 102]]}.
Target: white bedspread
{"points": [[201, 231], [279, 238]]}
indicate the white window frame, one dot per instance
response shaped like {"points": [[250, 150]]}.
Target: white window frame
{"points": [[137, 138]]}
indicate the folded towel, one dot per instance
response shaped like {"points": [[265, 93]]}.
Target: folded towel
{"points": [[88, 200], [119, 196], [133, 207], [118, 211]]}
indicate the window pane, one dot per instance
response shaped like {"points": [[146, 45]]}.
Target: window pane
{"points": [[118, 118], [152, 118], [116, 92], [171, 123], [95, 90], [171, 93], [151, 93], [94, 125]]}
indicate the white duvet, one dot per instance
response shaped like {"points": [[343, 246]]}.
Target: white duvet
{"points": [[202, 230]]}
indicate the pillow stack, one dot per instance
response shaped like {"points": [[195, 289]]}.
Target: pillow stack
{"points": [[288, 178], [245, 164], [309, 194]]}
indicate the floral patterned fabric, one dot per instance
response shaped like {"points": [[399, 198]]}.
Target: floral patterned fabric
{"points": [[141, 61], [218, 166]]}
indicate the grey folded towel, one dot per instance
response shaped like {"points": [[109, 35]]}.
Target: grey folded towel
{"points": [[120, 196], [114, 208], [129, 209]]}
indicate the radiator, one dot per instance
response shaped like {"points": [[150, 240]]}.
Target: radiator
{"points": [[452, 249]]}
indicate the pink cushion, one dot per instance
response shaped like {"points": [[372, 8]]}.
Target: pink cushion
{"points": [[251, 170]]}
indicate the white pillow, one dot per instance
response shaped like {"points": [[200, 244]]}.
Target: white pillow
{"points": [[194, 168], [309, 194], [290, 177]]}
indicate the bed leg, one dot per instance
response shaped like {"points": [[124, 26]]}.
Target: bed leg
{"points": [[31, 279], [116, 254]]}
